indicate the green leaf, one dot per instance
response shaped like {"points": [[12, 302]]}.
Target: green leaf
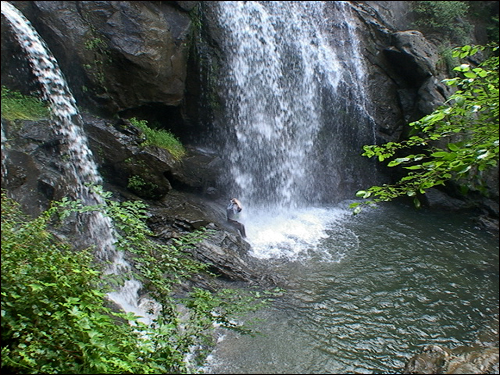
{"points": [[440, 154], [416, 202], [413, 167], [462, 68], [360, 193], [36, 287], [397, 161]]}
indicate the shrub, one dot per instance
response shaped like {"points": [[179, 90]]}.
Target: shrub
{"points": [[142, 188], [446, 17], [55, 317]]}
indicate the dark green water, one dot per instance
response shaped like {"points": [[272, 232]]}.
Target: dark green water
{"points": [[374, 290]]}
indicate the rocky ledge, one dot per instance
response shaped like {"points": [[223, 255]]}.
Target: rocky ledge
{"points": [[181, 195]]}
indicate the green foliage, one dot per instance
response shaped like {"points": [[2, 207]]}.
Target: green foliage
{"points": [[141, 187], [493, 29], [16, 106], [458, 141], [55, 317], [195, 16], [445, 17], [447, 60], [102, 57], [160, 138], [95, 44], [159, 266], [485, 14]]}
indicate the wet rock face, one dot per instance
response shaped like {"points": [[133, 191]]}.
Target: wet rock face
{"points": [[33, 167], [148, 171], [125, 162], [117, 55], [35, 177], [34, 163], [413, 56], [403, 78]]}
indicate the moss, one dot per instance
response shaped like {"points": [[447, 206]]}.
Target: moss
{"points": [[16, 106], [160, 138]]}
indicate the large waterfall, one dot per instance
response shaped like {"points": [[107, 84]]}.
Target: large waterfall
{"points": [[296, 110], [296, 117], [80, 170]]}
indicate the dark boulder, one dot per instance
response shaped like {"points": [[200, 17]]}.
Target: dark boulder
{"points": [[117, 55], [149, 171], [221, 248], [32, 169]]}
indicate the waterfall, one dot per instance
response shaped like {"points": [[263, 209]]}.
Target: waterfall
{"points": [[80, 169], [297, 112], [296, 115], [4, 154]]}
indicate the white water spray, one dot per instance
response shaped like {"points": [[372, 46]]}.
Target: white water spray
{"points": [[80, 168], [275, 60], [4, 154]]}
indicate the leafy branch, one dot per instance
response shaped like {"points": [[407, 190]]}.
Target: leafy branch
{"points": [[458, 141]]}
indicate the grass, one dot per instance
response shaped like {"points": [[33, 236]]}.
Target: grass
{"points": [[16, 106], [161, 138]]}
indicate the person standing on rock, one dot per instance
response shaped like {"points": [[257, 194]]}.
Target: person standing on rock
{"points": [[232, 211]]}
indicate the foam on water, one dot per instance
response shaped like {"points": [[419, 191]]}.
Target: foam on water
{"points": [[292, 233]]}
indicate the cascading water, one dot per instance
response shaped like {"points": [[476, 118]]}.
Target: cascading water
{"points": [[80, 169], [297, 116], [291, 86], [4, 154]]}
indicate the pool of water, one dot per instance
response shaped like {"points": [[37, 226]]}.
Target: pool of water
{"points": [[365, 292]]}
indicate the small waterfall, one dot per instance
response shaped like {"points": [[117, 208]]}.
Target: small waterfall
{"points": [[297, 112], [4, 154], [80, 169]]}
